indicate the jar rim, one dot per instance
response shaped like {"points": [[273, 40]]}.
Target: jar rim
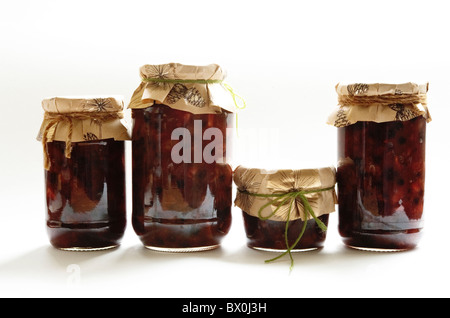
{"points": [[83, 104], [380, 89], [182, 71]]}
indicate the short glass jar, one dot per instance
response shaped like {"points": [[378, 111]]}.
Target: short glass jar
{"points": [[182, 183], [84, 172], [285, 210], [381, 165], [268, 235]]}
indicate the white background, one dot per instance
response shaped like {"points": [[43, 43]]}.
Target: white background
{"points": [[284, 57]]}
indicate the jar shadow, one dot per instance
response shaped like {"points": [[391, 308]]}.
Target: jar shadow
{"points": [[138, 259], [338, 255], [50, 265]]}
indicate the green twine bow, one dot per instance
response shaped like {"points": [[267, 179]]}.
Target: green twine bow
{"points": [[236, 97], [281, 199]]}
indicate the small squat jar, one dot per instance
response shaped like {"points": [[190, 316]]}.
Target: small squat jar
{"points": [[274, 212], [182, 182], [84, 172], [381, 164]]}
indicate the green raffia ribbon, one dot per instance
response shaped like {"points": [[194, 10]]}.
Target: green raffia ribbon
{"points": [[281, 199], [236, 97], [186, 81], [236, 104]]}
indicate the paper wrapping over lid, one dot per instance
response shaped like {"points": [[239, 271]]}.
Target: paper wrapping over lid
{"points": [[77, 119], [83, 118], [379, 103], [195, 89], [263, 182], [85, 104]]}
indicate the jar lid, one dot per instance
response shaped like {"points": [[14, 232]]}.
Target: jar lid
{"points": [[83, 104], [379, 103], [191, 88], [280, 195], [79, 119], [177, 71], [380, 89]]}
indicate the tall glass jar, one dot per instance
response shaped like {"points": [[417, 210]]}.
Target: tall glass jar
{"points": [[84, 153], [182, 182], [381, 164]]}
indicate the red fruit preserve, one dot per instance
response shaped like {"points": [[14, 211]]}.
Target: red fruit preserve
{"points": [[270, 235], [86, 195], [381, 178], [84, 174], [182, 184]]}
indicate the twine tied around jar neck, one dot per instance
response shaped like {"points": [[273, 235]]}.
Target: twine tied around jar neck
{"points": [[53, 119], [281, 199], [382, 100]]}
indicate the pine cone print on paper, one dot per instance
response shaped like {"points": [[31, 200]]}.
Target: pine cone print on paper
{"points": [[194, 97], [341, 120], [190, 95], [178, 91], [90, 136], [403, 113], [357, 89]]}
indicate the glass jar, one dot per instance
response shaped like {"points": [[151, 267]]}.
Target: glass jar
{"points": [[273, 207], [381, 167], [182, 183], [268, 235], [84, 174]]}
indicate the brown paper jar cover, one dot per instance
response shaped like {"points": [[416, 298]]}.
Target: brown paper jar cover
{"points": [[82, 118], [379, 102], [192, 88], [261, 181]]}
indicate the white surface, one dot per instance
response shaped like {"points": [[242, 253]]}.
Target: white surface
{"points": [[96, 47]]}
